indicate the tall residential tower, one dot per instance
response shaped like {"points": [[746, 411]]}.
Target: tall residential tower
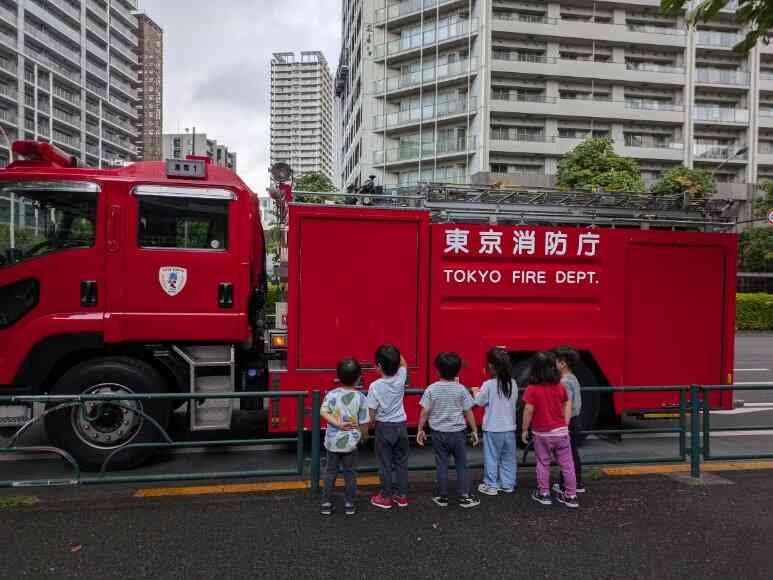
{"points": [[150, 91], [68, 75], [484, 91], [302, 112]]}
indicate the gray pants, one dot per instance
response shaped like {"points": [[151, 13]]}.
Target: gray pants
{"points": [[445, 445], [392, 453], [348, 462]]}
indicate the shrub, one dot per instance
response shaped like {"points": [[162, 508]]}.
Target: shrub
{"points": [[754, 312]]}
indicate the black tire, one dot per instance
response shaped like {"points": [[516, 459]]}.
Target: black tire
{"points": [[591, 400], [133, 375]]}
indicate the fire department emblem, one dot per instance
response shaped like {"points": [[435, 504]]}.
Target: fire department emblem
{"points": [[172, 279]]}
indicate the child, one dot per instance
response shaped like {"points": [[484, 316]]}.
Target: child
{"points": [[499, 396], [447, 403], [385, 404], [567, 359], [548, 405], [346, 413]]}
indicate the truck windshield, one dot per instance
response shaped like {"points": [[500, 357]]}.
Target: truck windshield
{"points": [[34, 223]]}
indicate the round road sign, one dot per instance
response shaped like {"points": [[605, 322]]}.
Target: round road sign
{"points": [[770, 217]]}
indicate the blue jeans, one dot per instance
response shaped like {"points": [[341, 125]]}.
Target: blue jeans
{"points": [[499, 459], [447, 444]]}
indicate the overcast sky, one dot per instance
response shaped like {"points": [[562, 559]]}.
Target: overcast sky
{"points": [[217, 57]]}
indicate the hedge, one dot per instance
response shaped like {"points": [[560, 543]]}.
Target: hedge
{"points": [[754, 311]]}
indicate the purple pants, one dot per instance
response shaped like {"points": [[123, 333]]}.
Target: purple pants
{"points": [[560, 449]]}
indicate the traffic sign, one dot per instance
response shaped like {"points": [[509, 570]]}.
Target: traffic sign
{"points": [[770, 217]]}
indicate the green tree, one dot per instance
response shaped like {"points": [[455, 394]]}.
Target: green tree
{"points": [[755, 243], [593, 164], [681, 179], [757, 15], [312, 182]]}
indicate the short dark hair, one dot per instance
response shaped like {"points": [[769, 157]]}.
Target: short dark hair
{"points": [[448, 364], [543, 369], [568, 355], [349, 372], [388, 358]]}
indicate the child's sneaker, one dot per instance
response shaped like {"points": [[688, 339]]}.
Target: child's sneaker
{"points": [[487, 489], [441, 500], [468, 501], [557, 488], [507, 489], [350, 509], [544, 499], [400, 500], [380, 501], [581, 488], [326, 509], [569, 501]]}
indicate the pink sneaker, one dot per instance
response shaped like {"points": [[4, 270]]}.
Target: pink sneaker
{"points": [[380, 501], [400, 500]]}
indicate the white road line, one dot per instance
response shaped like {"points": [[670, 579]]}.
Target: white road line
{"points": [[751, 370], [767, 384], [770, 404]]}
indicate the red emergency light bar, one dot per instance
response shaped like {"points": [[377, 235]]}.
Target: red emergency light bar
{"points": [[36, 151]]}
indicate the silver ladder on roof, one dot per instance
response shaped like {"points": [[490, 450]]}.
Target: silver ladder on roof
{"points": [[493, 205]]}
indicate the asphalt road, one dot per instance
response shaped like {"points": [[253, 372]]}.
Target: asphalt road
{"points": [[643, 527]]}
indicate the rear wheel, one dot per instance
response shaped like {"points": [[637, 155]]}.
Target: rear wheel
{"points": [[93, 431]]}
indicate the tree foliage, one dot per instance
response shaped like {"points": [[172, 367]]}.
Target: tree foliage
{"points": [[757, 15], [312, 181], [593, 164], [681, 179], [755, 244]]}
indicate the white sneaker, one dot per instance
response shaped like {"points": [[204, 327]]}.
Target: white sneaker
{"points": [[487, 489]]}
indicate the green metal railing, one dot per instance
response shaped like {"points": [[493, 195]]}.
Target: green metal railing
{"points": [[63, 402]]}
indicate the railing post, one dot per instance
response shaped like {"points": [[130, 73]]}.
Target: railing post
{"points": [[706, 425], [683, 424], [695, 432], [301, 400], [315, 443]]}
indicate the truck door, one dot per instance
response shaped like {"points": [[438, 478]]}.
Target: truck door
{"points": [[179, 267], [51, 274]]}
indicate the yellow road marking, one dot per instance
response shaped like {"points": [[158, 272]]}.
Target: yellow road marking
{"points": [[683, 467], [242, 487]]}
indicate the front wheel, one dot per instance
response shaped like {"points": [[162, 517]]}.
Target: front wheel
{"points": [[91, 432]]}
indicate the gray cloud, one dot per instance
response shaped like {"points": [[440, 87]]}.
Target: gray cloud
{"points": [[217, 59]]}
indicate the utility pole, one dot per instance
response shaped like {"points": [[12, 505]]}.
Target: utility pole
{"points": [[193, 147]]}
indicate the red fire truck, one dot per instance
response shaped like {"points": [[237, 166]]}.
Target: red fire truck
{"points": [[151, 278]]}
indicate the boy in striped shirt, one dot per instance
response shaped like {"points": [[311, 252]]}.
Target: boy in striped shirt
{"points": [[446, 404]]}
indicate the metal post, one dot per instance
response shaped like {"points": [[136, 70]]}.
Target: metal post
{"points": [[706, 426], [695, 432], [13, 224], [315, 443], [299, 433], [683, 424]]}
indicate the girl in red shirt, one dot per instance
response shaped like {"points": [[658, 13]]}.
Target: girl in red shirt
{"points": [[547, 411]]}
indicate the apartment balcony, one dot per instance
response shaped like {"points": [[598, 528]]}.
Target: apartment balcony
{"points": [[67, 96], [124, 51], [92, 149], [93, 129], [67, 72], [555, 146], [7, 65], [129, 36], [555, 28], [98, 71], [630, 110], [56, 23], [8, 92], [8, 117], [8, 15], [765, 118], [426, 114], [720, 115], [582, 69], [408, 10], [67, 8], [443, 74], [411, 153], [8, 38], [652, 149], [96, 50], [66, 140], [726, 77], [98, 9], [53, 44], [411, 45], [72, 121], [125, 88], [118, 122], [719, 153], [714, 39], [123, 68], [765, 153], [123, 106], [529, 143]]}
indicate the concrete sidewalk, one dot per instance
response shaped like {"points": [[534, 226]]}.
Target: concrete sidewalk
{"points": [[631, 527]]}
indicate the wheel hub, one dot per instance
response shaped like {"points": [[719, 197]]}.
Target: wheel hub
{"points": [[104, 424]]}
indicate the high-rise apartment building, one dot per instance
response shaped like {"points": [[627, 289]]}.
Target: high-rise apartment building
{"points": [[180, 145], [484, 91], [150, 89], [302, 112], [68, 76]]}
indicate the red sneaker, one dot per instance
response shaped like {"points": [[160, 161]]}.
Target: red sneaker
{"points": [[400, 500], [380, 501]]}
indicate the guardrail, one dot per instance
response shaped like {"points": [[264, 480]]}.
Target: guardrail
{"points": [[693, 430], [64, 402]]}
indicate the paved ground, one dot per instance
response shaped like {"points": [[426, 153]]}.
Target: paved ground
{"points": [[641, 527]]}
